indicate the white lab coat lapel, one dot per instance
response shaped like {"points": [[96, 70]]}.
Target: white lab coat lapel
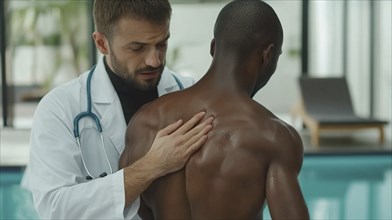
{"points": [[107, 106]]}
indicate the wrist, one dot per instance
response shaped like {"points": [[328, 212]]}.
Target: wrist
{"points": [[137, 177], [148, 167]]}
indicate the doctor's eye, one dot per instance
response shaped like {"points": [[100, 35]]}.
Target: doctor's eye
{"points": [[136, 48]]}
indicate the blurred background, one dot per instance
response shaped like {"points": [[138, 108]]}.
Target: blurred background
{"points": [[44, 43]]}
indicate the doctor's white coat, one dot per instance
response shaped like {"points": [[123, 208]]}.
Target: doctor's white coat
{"points": [[55, 174]]}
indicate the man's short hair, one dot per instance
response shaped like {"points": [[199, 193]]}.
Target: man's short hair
{"points": [[243, 24], [107, 13]]}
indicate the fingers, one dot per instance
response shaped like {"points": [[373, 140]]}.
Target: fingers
{"points": [[174, 144], [169, 129], [197, 140], [195, 146], [197, 137], [177, 130], [199, 129], [189, 124]]}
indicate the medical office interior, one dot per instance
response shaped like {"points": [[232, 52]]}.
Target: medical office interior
{"points": [[346, 174]]}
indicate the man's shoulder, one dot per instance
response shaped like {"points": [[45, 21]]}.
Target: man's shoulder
{"points": [[270, 130], [147, 116], [285, 140], [263, 115]]}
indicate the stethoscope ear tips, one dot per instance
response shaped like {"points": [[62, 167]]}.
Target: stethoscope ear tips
{"points": [[89, 178]]}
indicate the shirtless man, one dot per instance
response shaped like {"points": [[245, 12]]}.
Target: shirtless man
{"points": [[251, 156]]}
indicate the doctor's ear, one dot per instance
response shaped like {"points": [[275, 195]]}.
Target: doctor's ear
{"points": [[212, 47], [101, 42]]}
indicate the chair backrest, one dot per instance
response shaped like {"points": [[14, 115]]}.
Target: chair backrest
{"points": [[326, 96]]}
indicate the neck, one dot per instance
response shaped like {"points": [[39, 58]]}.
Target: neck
{"points": [[229, 74]]}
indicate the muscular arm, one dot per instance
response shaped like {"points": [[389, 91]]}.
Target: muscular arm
{"points": [[169, 152], [284, 196]]}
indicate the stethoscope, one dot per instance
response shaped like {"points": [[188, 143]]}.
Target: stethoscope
{"points": [[95, 118]]}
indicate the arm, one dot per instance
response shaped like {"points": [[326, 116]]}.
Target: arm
{"points": [[55, 172], [284, 196], [169, 152]]}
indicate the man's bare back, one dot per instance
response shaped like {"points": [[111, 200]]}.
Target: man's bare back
{"points": [[250, 156], [227, 178]]}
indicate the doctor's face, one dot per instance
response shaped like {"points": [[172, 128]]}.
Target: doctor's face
{"points": [[137, 52]]}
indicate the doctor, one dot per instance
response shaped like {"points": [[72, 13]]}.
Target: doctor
{"points": [[78, 131]]}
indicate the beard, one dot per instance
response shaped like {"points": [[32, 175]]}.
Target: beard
{"points": [[121, 70]]}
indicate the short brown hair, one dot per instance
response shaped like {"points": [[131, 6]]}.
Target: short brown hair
{"points": [[106, 13]]}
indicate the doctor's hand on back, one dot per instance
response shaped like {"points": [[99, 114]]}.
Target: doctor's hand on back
{"points": [[78, 131]]}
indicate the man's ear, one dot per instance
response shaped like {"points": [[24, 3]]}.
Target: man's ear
{"points": [[268, 53], [101, 42], [212, 47]]}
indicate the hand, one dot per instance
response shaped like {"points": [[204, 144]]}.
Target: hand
{"points": [[174, 144], [169, 152]]}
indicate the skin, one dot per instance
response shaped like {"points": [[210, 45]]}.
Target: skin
{"points": [[251, 156], [137, 53]]}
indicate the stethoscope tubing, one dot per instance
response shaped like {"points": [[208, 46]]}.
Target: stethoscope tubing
{"points": [[87, 113], [95, 118]]}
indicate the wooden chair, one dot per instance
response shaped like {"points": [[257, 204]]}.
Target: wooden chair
{"points": [[326, 105]]}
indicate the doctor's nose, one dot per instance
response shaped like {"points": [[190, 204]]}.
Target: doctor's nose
{"points": [[153, 58]]}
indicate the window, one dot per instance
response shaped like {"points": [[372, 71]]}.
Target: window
{"points": [[46, 44]]}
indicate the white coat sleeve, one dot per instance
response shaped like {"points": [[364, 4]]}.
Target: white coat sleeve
{"points": [[55, 178]]}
